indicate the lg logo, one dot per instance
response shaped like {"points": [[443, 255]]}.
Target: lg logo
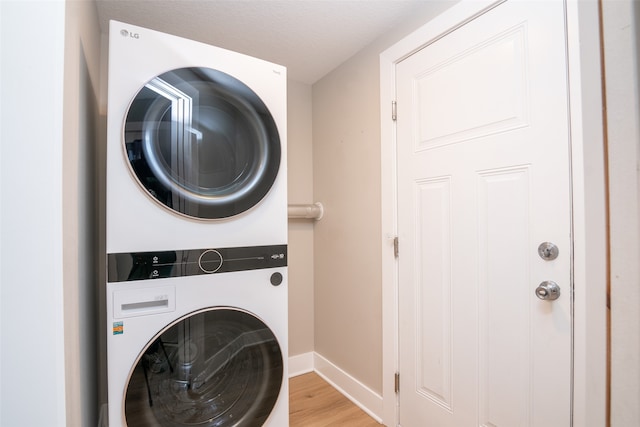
{"points": [[126, 33]]}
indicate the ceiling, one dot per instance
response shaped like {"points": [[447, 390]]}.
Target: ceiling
{"points": [[309, 37]]}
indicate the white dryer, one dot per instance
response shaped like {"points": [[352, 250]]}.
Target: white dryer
{"points": [[196, 235], [196, 145]]}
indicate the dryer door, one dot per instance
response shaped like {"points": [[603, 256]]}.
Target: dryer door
{"points": [[202, 143], [218, 367]]}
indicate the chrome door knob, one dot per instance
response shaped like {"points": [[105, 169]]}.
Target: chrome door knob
{"points": [[548, 291]]}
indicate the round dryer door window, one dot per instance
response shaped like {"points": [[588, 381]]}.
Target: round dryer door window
{"points": [[219, 367], [202, 143]]}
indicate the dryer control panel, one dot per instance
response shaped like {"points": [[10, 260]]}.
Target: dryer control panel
{"points": [[123, 267]]}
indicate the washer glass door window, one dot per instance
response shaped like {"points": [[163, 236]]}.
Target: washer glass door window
{"points": [[218, 367], [202, 143]]}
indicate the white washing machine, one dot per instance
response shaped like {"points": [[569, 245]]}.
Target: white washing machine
{"points": [[199, 349], [196, 235]]}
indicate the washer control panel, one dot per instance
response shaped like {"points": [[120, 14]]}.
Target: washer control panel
{"points": [[123, 267]]}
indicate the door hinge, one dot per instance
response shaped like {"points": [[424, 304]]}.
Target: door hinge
{"points": [[396, 245], [397, 382], [394, 110]]}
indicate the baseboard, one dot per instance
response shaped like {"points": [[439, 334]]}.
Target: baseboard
{"points": [[361, 395], [300, 364]]}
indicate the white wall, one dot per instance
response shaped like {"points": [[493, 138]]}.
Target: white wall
{"points": [[346, 157], [621, 38], [32, 328], [80, 229], [47, 176], [300, 190]]}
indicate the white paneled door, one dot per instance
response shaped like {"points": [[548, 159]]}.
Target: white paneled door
{"points": [[483, 180]]}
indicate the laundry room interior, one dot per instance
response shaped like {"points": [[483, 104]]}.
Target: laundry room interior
{"points": [[52, 312]]}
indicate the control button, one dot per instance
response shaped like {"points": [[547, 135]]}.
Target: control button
{"points": [[210, 261], [277, 256], [276, 279]]}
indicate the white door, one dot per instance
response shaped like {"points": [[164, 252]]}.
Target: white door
{"points": [[483, 179]]}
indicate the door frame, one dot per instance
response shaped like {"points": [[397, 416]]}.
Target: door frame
{"points": [[589, 219]]}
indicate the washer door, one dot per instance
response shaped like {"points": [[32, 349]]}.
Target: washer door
{"points": [[218, 367], [202, 143]]}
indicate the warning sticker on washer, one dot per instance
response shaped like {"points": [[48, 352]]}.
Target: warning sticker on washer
{"points": [[118, 328]]}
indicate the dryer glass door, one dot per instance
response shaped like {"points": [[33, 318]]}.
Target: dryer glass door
{"points": [[202, 143], [218, 367]]}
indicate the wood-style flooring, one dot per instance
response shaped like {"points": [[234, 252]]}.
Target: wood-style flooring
{"points": [[314, 403]]}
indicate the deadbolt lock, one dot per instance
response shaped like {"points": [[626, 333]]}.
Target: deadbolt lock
{"points": [[548, 251]]}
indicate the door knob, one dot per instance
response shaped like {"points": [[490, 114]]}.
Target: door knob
{"points": [[548, 291]]}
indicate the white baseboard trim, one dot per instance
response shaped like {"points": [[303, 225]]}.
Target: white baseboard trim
{"points": [[300, 364], [361, 395]]}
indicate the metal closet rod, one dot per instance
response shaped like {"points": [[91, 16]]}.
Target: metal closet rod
{"points": [[308, 211]]}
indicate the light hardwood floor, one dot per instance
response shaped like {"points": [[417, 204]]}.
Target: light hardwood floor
{"points": [[314, 403]]}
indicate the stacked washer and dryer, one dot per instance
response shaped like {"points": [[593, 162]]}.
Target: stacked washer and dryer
{"points": [[196, 234]]}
